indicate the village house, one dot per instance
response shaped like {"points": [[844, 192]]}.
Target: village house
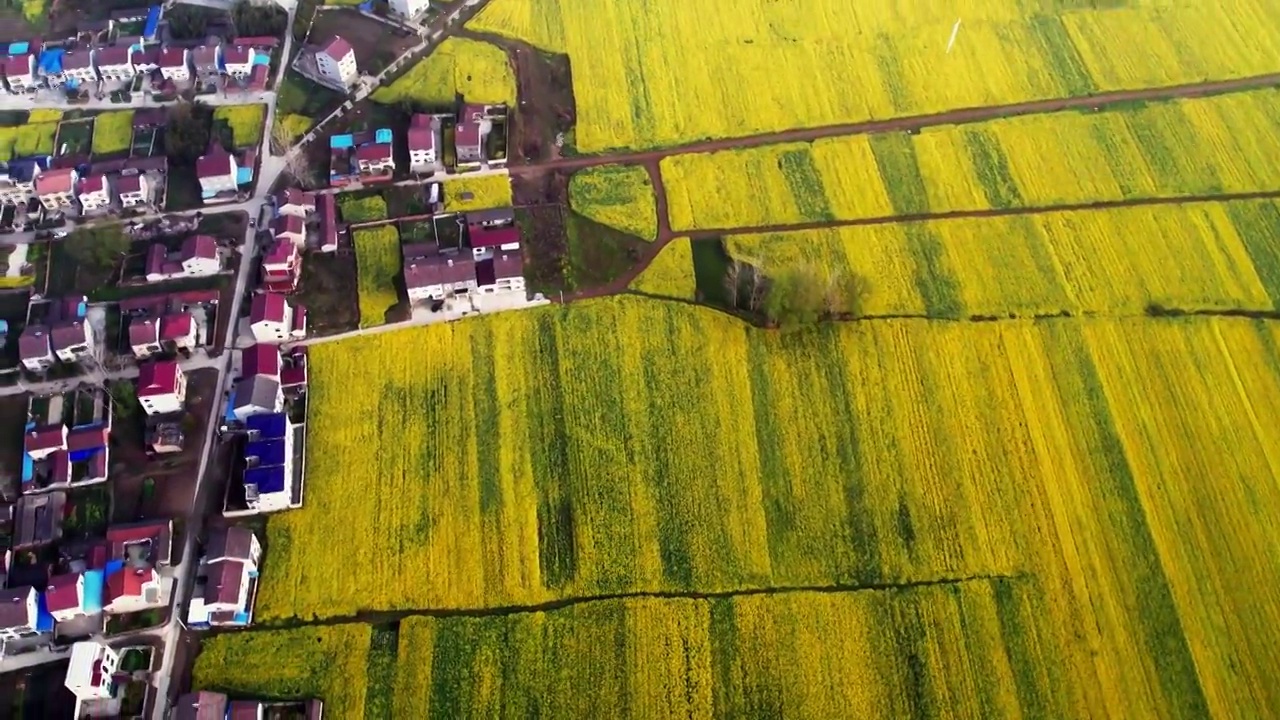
{"points": [[289, 228], [269, 464], [60, 458], [327, 208], [137, 550], [216, 171], [144, 337], [178, 332], [94, 194], [70, 334], [204, 60], [91, 677], [133, 589], [133, 189], [259, 75], [408, 9], [272, 320], [484, 241], [20, 615], [237, 60], [375, 159], [146, 61], [35, 349], [56, 188], [230, 571], [203, 705], [256, 395], [424, 143], [282, 268], [437, 277], [501, 272], [77, 68], [18, 178], [293, 372], [295, 202], [114, 64], [472, 127], [162, 387], [336, 63], [198, 257], [73, 595], [260, 359], [38, 520], [20, 73], [175, 64]]}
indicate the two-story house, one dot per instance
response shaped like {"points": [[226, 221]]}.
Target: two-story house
{"points": [[133, 189], [20, 73], [73, 595], [424, 144], [230, 571], [469, 135], [144, 337], [238, 60], [77, 68], [72, 340], [18, 179], [216, 170], [198, 257], [204, 60], [272, 320], [162, 387], [438, 277], [146, 61], [290, 229], [293, 201], [327, 209], [21, 615], [56, 188], [178, 332], [375, 159], [35, 349], [282, 267], [114, 64], [408, 9], [94, 194], [175, 64], [91, 676]]}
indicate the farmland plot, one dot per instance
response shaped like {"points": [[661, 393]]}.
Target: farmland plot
{"points": [[378, 261], [483, 192], [1196, 256], [762, 66], [620, 196], [632, 446], [1169, 149], [477, 71], [670, 274]]}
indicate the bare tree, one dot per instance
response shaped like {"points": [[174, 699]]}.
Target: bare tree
{"points": [[731, 278], [758, 290]]}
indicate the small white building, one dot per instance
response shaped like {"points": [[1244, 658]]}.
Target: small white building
{"points": [[20, 72], [133, 589], [114, 64], [424, 143], [94, 193], [408, 9], [336, 62], [18, 180], [256, 395], [217, 172], [162, 387], [91, 673], [237, 61], [19, 613], [57, 188], [134, 190]]}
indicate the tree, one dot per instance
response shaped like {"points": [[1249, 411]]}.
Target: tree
{"points": [[186, 137], [801, 296], [187, 22], [98, 247], [254, 20]]}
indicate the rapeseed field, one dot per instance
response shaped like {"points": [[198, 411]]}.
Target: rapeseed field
{"points": [[477, 71], [467, 193], [670, 72], [1046, 514], [1121, 261], [670, 274], [1166, 149], [378, 264], [620, 196]]}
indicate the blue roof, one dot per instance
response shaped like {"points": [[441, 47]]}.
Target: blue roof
{"points": [[272, 426], [230, 415], [244, 175], [73, 83], [113, 567], [17, 48], [28, 468], [153, 21], [4, 326], [341, 141], [24, 169], [261, 59], [382, 135], [267, 479], [268, 452], [93, 582], [51, 61], [44, 621]]}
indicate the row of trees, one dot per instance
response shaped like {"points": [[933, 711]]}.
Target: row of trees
{"points": [[251, 19], [796, 296]]}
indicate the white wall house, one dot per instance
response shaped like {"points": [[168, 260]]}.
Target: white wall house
{"points": [[408, 8], [336, 62], [273, 321], [19, 614], [424, 142], [133, 190], [217, 172], [114, 64], [94, 193], [162, 387], [175, 64], [237, 61], [20, 72], [57, 188], [133, 589], [90, 674]]}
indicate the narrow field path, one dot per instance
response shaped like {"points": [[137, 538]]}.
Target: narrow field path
{"points": [[912, 122], [376, 617]]}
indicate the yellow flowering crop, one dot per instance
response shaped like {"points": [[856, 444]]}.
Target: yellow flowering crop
{"points": [[44, 115], [112, 132], [1090, 494], [670, 274], [245, 122], [620, 196], [464, 193], [1199, 256], [478, 71], [35, 139], [378, 261], [668, 72], [1166, 149], [327, 662]]}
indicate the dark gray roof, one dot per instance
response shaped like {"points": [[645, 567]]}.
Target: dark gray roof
{"points": [[257, 391], [39, 519], [234, 542]]}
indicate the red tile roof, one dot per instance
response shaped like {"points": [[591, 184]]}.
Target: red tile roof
{"points": [[173, 57], [258, 78], [295, 375], [76, 61], [267, 306], [327, 208], [176, 326], [158, 378], [93, 184], [112, 56], [128, 582], [205, 56], [62, 593], [147, 58], [439, 270], [223, 583], [282, 253], [200, 246], [237, 55], [16, 65], [129, 184], [145, 331], [216, 163], [288, 224], [87, 438], [296, 196], [259, 41], [508, 265], [482, 237], [46, 438], [336, 48], [374, 152], [54, 181], [260, 359]]}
